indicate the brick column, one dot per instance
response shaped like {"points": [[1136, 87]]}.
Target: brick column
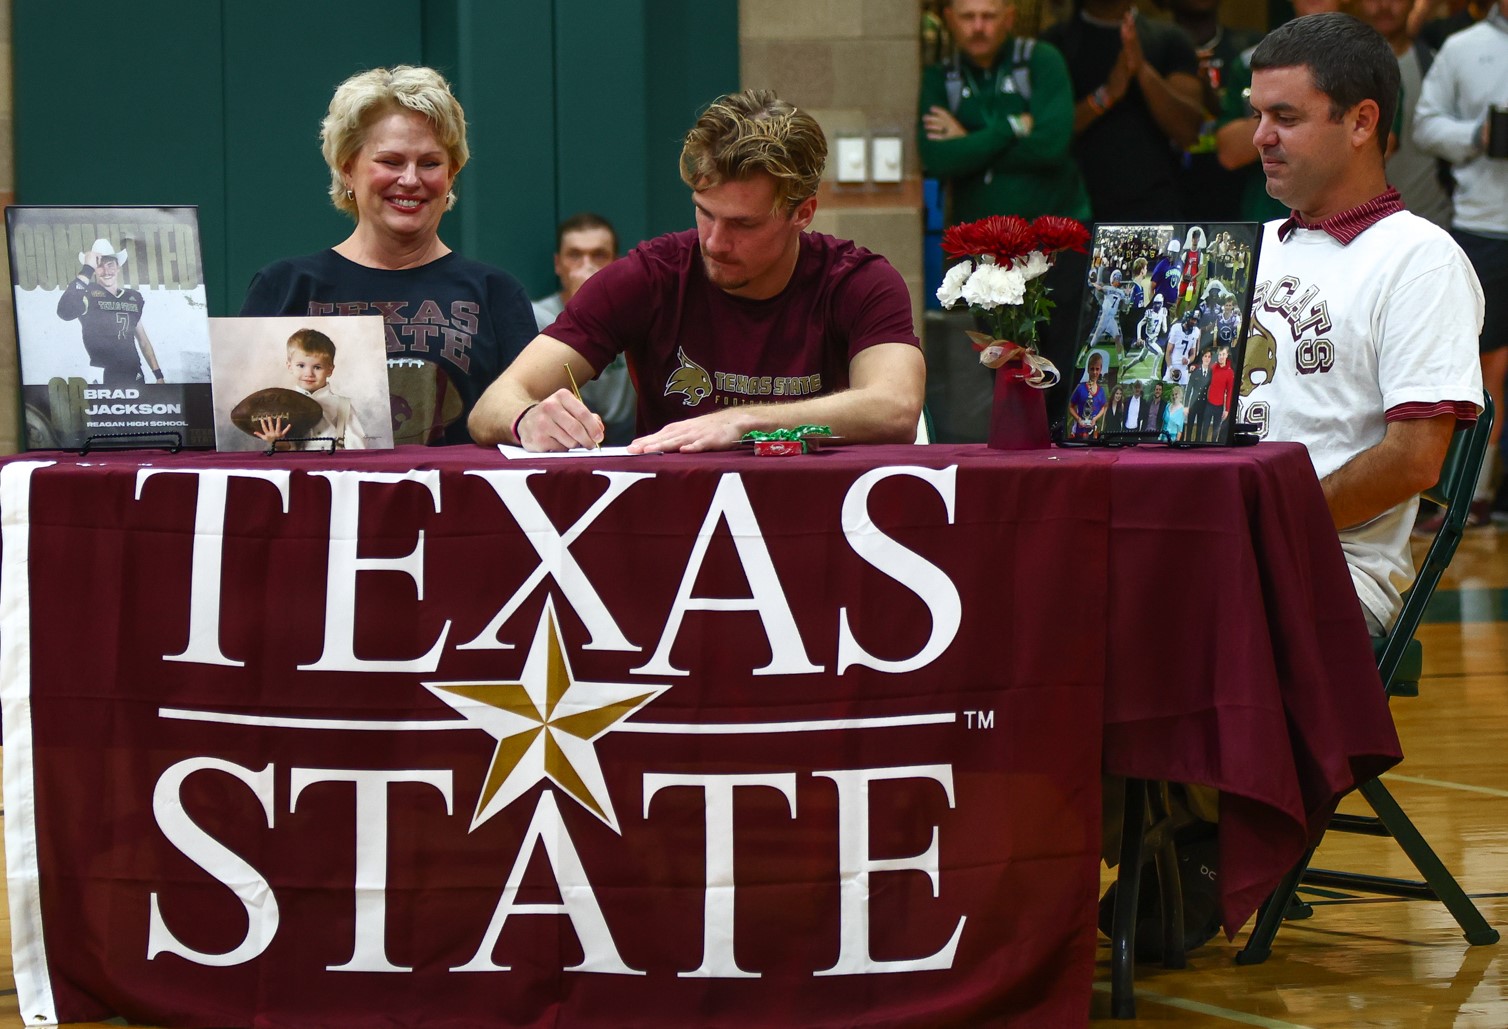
{"points": [[855, 66]]}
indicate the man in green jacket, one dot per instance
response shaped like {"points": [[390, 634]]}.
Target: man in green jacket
{"points": [[996, 120], [995, 124]]}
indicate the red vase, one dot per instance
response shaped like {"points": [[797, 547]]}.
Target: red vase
{"points": [[1018, 416]]}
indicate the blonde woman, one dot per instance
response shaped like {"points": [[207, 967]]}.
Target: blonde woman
{"points": [[395, 140]]}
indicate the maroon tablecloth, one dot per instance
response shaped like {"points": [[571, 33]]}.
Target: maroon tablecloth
{"points": [[1238, 655], [725, 740]]}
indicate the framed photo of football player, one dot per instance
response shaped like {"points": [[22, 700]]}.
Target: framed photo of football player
{"points": [[301, 383], [1162, 333], [111, 325]]}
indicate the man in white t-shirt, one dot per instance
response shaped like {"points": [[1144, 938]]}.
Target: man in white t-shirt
{"points": [[1373, 312], [1373, 315]]}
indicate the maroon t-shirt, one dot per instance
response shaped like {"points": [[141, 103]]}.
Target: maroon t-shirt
{"points": [[693, 348]]}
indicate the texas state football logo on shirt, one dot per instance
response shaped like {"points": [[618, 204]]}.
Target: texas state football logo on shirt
{"points": [[690, 380], [694, 384]]}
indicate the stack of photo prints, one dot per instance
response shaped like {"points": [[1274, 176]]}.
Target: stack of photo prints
{"points": [[116, 346], [1162, 346]]}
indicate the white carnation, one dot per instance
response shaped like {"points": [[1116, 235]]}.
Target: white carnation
{"points": [[1033, 264], [1012, 287], [991, 286], [952, 284]]}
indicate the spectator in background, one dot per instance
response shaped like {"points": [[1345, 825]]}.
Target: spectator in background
{"points": [[996, 120], [995, 123], [1460, 14], [1233, 139], [1136, 90], [1415, 174], [1210, 191], [584, 244], [1469, 74]]}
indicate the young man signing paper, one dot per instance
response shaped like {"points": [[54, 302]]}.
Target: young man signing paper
{"points": [[748, 322]]}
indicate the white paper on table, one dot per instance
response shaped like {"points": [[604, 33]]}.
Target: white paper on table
{"points": [[520, 454]]}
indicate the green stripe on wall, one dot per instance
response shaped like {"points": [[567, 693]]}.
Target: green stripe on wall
{"points": [[573, 104]]}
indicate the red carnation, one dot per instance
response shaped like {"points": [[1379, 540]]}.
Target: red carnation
{"points": [[1005, 237], [1056, 233], [962, 240], [1011, 237]]}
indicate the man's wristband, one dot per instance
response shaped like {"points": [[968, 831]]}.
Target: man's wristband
{"points": [[1099, 100], [517, 438], [157, 372]]}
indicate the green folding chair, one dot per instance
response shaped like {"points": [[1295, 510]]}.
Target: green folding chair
{"points": [[925, 433], [1400, 661], [1148, 825]]}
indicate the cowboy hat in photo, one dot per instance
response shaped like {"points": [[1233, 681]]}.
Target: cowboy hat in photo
{"points": [[103, 248]]}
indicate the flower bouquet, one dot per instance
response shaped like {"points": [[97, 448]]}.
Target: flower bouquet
{"points": [[1000, 278]]}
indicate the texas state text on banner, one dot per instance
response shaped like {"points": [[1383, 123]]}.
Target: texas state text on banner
{"points": [[667, 741]]}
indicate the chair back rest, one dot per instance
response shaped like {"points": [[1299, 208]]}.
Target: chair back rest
{"points": [[1453, 492]]}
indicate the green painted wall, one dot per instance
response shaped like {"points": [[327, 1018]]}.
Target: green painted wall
{"points": [[571, 105]]}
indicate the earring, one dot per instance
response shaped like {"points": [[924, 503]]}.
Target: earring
{"points": [[450, 198], [350, 195]]}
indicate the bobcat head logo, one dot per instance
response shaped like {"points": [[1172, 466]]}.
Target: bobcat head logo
{"points": [[690, 380], [1261, 358]]}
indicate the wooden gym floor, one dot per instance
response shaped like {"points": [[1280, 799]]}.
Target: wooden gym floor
{"points": [[1360, 961]]}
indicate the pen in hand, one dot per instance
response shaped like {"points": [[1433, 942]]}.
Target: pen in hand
{"points": [[577, 390]]}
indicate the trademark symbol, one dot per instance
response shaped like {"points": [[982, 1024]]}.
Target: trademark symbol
{"points": [[979, 719]]}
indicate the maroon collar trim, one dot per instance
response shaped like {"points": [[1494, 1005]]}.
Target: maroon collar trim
{"points": [[1347, 225]]}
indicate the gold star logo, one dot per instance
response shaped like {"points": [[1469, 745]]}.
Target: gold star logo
{"points": [[546, 726]]}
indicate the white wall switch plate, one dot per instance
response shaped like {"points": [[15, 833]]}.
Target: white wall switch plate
{"points": [[887, 159], [853, 164]]}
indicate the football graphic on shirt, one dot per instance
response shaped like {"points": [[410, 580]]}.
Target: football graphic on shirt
{"points": [[424, 400]]}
